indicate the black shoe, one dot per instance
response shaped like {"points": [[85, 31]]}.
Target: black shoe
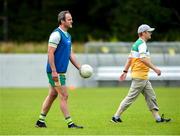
{"points": [[40, 124], [114, 120], [74, 126], [163, 119]]}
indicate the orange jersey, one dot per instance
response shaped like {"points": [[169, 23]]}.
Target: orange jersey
{"points": [[138, 68]]}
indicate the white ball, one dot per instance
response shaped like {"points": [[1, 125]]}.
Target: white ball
{"points": [[86, 71]]}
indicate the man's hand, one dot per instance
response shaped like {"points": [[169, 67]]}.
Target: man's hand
{"points": [[56, 79], [123, 76], [55, 76], [158, 71]]}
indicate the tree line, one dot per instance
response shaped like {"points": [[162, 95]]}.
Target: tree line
{"points": [[106, 20]]}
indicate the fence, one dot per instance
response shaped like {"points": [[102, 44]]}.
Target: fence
{"points": [[166, 52], [28, 70], [111, 57]]}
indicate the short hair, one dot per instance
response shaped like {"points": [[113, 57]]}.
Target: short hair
{"points": [[61, 16]]}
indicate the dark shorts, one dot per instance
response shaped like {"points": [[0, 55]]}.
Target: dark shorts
{"points": [[61, 79]]}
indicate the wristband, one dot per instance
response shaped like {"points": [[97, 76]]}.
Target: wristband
{"points": [[125, 71]]}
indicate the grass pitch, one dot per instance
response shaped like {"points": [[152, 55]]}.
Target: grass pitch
{"points": [[90, 107]]}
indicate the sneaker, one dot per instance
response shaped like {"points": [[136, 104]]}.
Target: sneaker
{"points": [[40, 124], [74, 126], [114, 120], [163, 119]]}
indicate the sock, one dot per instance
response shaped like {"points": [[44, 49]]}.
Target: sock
{"points": [[158, 118], [116, 117], [42, 117], [69, 120]]}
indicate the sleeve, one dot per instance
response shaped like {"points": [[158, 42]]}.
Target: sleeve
{"points": [[54, 39], [130, 55], [143, 50]]}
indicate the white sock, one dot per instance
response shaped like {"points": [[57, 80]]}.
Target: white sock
{"points": [[116, 117], [158, 118]]}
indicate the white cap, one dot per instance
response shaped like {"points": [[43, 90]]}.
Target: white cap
{"points": [[144, 27]]}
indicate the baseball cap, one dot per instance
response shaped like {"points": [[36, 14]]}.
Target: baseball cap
{"points": [[144, 27]]}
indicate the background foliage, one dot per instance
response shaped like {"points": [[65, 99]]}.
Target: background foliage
{"points": [[107, 20]]}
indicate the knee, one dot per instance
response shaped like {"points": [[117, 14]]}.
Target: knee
{"points": [[65, 96], [53, 95]]}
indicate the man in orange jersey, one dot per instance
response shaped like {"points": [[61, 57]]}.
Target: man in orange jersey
{"points": [[140, 63]]}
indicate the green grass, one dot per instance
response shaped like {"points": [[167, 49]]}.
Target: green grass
{"points": [[33, 47], [90, 107]]}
